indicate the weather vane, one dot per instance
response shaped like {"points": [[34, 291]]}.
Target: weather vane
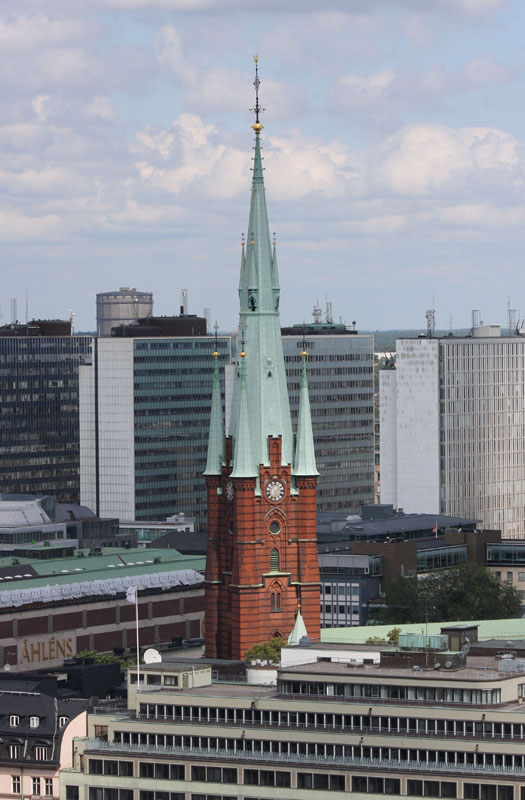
{"points": [[258, 110]]}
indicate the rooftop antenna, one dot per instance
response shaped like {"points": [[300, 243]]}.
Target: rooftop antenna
{"points": [[71, 316], [329, 316], [450, 324], [317, 313], [430, 315], [512, 317], [207, 316], [183, 302], [476, 317], [27, 305], [13, 310]]}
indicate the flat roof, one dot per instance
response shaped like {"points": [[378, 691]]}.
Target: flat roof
{"points": [[487, 629]]}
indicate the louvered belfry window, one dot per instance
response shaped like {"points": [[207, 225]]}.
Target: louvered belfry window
{"points": [[274, 560]]}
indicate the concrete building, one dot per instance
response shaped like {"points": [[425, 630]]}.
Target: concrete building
{"points": [[453, 428], [144, 419], [341, 387], [39, 425], [336, 722], [52, 609], [121, 307]]}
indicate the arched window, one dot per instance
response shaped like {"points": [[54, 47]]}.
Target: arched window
{"points": [[278, 600], [274, 560], [272, 602]]}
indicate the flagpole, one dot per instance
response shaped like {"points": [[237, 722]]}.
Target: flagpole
{"points": [[138, 649]]}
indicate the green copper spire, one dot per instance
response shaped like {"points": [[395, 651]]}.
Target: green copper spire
{"points": [[267, 392], [216, 436], [304, 462], [299, 631], [243, 463]]}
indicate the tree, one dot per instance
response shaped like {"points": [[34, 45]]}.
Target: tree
{"points": [[266, 651], [468, 591]]}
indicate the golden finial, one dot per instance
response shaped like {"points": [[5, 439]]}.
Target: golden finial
{"points": [[274, 239], [256, 58], [242, 354], [304, 353], [242, 240]]}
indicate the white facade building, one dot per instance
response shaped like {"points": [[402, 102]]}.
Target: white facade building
{"points": [[453, 429]]}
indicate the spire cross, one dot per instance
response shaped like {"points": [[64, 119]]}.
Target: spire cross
{"points": [[258, 110]]}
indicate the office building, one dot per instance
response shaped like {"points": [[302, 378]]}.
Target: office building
{"points": [[341, 384], [39, 424], [144, 419], [453, 428], [121, 307], [428, 720], [261, 563]]}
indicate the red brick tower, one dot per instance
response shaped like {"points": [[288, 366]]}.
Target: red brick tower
{"points": [[262, 548]]}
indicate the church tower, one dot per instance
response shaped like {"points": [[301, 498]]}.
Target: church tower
{"points": [[261, 564]]}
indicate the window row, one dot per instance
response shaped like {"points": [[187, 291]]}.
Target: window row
{"points": [[296, 751], [37, 785], [392, 692]]}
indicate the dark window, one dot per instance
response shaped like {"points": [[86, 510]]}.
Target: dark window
{"points": [[448, 789], [213, 774], [304, 780], [110, 794], [125, 768], [95, 793], [488, 792], [198, 773], [320, 781], [415, 787], [162, 772], [376, 785], [126, 794], [393, 786], [95, 767], [110, 767], [146, 769], [282, 779], [72, 792], [266, 777], [505, 793], [431, 788], [177, 772], [337, 783], [147, 795], [471, 791], [229, 775], [251, 777], [358, 783]]}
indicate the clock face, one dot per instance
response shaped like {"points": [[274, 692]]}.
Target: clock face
{"points": [[229, 490], [275, 491]]}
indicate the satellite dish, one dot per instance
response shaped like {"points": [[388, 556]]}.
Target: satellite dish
{"points": [[152, 656], [7, 667], [448, 664]]}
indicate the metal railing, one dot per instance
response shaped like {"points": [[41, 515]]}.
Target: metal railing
{"points": [[94, 745]]}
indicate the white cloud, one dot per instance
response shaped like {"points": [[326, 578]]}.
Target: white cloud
{"points": [[41, 105], [101, 107], [168, 47]]}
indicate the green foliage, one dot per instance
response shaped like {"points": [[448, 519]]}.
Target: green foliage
{"points": [[468, 591], [393, 635], [375, 640], [266, 651], [106, 658]]}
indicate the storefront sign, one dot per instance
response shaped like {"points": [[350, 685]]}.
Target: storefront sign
{"points": [[37, 651]]}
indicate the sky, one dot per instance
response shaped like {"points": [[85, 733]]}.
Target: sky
{"points": [[393, 151]]}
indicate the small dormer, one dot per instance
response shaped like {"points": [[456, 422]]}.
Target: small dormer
{"points": [[34, 722], [14, 721]]}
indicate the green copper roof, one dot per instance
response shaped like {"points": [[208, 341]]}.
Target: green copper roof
{"points": [[216, 436], [298, 631], [243, 463], [304, 461], [267, 394]]}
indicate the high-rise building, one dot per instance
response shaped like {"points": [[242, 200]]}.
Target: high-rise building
{"points": [[341, 385], [39, 424], [145, 408], [261, 560], [121, 307], [453, 428]]}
